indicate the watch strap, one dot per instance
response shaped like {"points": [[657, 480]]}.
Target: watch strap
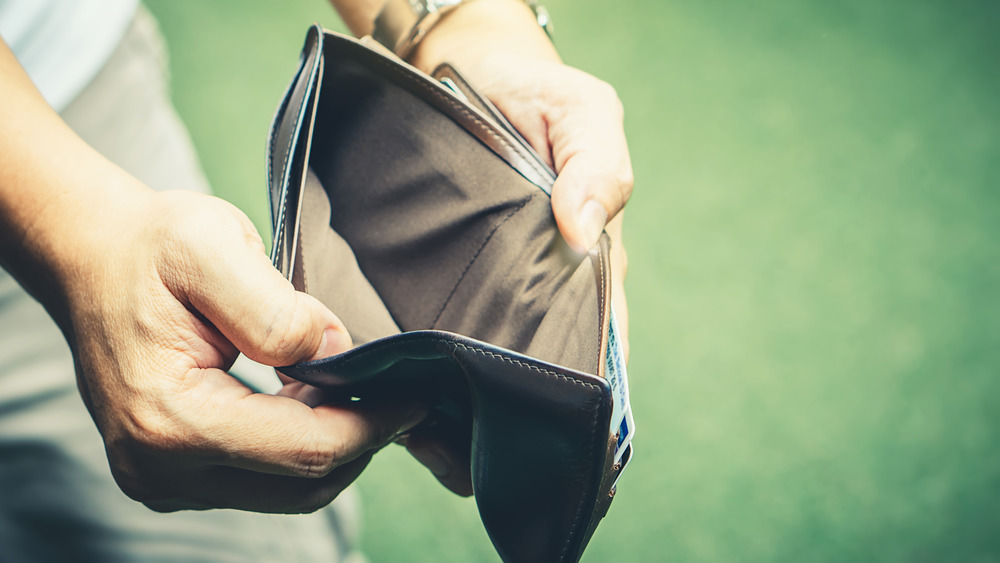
{"points": [[402, 24]]}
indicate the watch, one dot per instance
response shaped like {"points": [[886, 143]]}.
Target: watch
{"points": [[402, 24]]}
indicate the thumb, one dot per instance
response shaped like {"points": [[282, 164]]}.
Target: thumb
{"points": [[579, 121], [595, 173], [233, 284]]}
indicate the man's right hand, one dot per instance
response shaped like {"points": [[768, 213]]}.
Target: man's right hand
{"points": [[158, 314], [156, 294]]}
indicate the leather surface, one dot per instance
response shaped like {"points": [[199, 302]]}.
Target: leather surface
{"points": [[421, 223], [445, 71], [288, 146]]}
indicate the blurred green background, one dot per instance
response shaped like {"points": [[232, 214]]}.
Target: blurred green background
{"points": [[815, 263]]}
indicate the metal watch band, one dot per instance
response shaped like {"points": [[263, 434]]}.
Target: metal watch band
{"points": [[402, 24], [542, 17]]}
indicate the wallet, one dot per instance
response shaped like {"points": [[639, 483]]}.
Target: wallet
{"points": [[411, 208]]}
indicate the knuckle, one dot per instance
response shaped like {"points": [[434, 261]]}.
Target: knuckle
{"points": [[179, 235], [188, 220], [609, 96], [153, 432], [318, 458], [619, 184], [625, 181]]}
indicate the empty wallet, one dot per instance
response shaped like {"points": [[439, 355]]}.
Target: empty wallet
{"points": [[417, 214]]}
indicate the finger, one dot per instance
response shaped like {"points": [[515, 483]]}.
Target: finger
{"points": [[304, 393], [450, 465], [227, 487], [594, 168], [233, 284], [282, 435], [284, 379]]}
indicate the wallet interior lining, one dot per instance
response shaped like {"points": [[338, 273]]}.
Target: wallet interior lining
{"points": [[493, 301], [410, 223]]}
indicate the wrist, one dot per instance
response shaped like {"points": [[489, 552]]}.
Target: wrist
{"points": [[478, 28], [66, 230], [57, 194], [84, 242]]}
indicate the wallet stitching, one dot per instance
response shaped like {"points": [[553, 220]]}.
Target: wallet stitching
{"points": [[475, 256], [519, 363], [292, 137], [288, 152], [272, 133], [279, 114], [593, 429], [439, 340], [460, 107]]}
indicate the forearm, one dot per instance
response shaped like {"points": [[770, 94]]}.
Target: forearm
{"points": [[480, 28], [52, 185], [467, 34]]}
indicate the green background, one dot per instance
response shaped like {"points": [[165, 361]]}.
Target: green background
{"points": [[814, 242]]}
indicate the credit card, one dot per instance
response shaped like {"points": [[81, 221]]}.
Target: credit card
{"points": [[617, 377]]}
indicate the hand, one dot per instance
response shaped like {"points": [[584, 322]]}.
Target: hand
{"points": [[155, 318], [156, 293]]}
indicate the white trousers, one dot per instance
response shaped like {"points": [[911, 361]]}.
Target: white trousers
{"points": [[58, 501]]}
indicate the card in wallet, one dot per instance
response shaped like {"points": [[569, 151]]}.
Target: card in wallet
{"points": [[418, 215]]}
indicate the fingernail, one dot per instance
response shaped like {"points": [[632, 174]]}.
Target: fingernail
{"points": [[593, 217], [432, 460], [334, 342]]}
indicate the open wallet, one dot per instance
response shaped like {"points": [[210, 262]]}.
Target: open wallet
{"points": [[413, 210]]}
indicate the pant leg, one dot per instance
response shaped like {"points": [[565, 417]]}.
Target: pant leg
{"points": [[58, 501]]}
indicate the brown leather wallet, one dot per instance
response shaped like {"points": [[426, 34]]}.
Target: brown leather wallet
{"points": [[414, 211]]}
